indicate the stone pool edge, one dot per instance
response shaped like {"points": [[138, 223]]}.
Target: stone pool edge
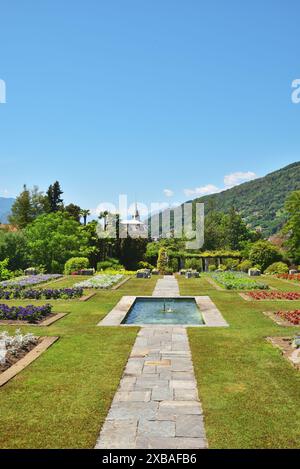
{"points": [[211, 315]]}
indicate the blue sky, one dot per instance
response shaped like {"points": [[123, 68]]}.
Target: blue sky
{"points": [[136, 96]]}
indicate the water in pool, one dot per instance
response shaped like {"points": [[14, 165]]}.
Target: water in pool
{"points": [[164, 311]]}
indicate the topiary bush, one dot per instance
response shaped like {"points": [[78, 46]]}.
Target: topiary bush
{"points": [[277, 268], [162, 262], [76, 263]]}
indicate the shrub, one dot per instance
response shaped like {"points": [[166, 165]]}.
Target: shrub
{"points": [[76, 263], [194, 263], [231, 264], [245, 265], [222, 267], [145, 265], [277, 268], [173, 264], [264, 253], [5, 274], [162, 262], [109, 263], [212, 268]]}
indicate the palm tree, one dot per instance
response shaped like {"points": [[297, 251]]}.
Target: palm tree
{"points": [[103, 215], [84, 214]]}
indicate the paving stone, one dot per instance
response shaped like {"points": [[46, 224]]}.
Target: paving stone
{"points": [[118, 434], [162, 394], [190, 426], [182, 384], [185, 394], [148, 428], [180, 407], [132, 396], [156, 405], [133, 410]]}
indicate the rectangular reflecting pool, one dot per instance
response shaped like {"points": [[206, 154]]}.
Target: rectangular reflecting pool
{"points": [[164, 311]]}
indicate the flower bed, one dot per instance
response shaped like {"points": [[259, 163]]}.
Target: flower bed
{"points": [[237, 281], [274, 295], [100, 281], [38, 294], [12, 348], [294, 277], [23, 282], [291, 316], [29, 313]]}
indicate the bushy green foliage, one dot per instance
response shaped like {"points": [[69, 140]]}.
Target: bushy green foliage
{"points": [[231, 264], [264, 253], [193, 263], [292, 227], [52, 239], [109, 263], [162, 262], [212, 268], [5, 273], [76, 263], [145, 265], [277, 268], [245, 265], [222, 267]]}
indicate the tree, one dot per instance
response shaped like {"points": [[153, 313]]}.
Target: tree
{"points": [[235, 230], [54, 238], [54, 193], [74, 211], [292, 227], [12, 246], [22, 210], [84, 213], [104, 216], [263, 253]]}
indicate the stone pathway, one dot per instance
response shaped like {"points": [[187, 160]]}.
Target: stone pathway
{"points": [[157, 405], [166, 287]]}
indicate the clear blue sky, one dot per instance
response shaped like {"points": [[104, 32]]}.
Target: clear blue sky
{"points": [[139, 96]]}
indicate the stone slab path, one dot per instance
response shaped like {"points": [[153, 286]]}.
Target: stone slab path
{"points": [[166, 287], [157, 404]]}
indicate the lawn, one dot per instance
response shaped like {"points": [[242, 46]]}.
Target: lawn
{"points": [[249, 392], [61, 400]]}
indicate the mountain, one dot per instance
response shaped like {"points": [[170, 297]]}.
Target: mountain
{"points": [[5, 207], [261, 201]]}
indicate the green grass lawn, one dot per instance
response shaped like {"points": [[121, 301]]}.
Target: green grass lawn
{"points": [[249, 392], [61, 399]]}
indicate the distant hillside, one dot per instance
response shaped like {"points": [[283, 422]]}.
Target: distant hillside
{"points": [[5, 207], [260, 202]]}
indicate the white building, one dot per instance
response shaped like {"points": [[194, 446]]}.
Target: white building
{"points": [[134, 227]]}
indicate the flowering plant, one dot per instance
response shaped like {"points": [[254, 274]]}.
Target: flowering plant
{"points": [[29, 280], [100, 281], [274, 295], [29, 313]]}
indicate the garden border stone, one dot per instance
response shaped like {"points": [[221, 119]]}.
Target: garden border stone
{"points": [[11, 372], [46, 322]]}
